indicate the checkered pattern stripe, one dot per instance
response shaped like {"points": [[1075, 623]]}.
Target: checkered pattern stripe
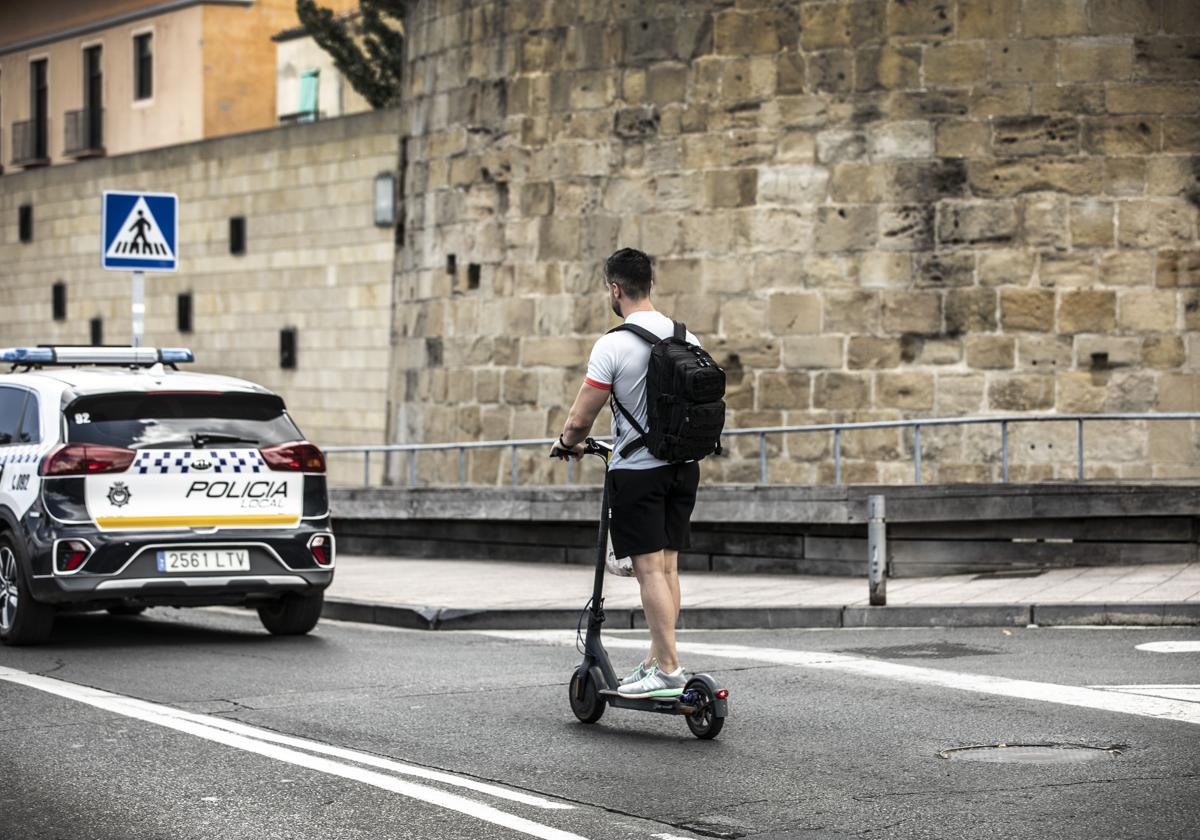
{"points": [[213, 461], [19, 455]]}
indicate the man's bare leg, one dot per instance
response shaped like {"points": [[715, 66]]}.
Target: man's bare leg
{"points": [[660, 605], [671, 567]]}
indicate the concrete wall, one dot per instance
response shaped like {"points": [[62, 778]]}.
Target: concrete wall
{"points": [[867, 208], [314, 261]]}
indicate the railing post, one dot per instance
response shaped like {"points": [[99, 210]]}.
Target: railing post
{"points": [[1004, 450], [877, 551], [412, 468], [1079, 447], [837, 456], [366, 468], [514, 466], [762, 457], [570, 471], [917, 452], [462, 466]]}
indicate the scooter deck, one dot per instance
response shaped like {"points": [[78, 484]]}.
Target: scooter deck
{"points": [[670, 705]]}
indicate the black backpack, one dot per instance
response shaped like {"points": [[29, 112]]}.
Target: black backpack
{"points": [[685, 405]]}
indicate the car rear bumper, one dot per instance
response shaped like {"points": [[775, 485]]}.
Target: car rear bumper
{"points": [[124, 566]]}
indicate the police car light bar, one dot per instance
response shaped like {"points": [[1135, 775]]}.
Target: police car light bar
{"points": [[119, 356]]}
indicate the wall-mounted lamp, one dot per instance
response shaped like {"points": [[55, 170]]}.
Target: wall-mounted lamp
{"points": [[385, 199]]}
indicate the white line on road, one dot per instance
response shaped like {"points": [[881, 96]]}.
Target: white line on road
{"points": [[1170, 647], [1188, 693], [1067, 695], [209, 729]]}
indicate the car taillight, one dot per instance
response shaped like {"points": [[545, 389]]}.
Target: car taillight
{"points": [[71, 554], [294, 457], [321, 547], [86, 459]]}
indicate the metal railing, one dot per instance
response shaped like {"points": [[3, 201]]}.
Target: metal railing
{"points": [[837, 429], [83, 132], [30, 143]]}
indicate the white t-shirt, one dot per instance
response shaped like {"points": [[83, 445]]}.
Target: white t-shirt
{"points": [[618, 363]]}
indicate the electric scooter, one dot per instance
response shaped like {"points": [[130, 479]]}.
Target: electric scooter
{"points": [[703, 703]]}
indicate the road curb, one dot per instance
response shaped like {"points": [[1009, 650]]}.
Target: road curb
{"points": [[774, 618]]}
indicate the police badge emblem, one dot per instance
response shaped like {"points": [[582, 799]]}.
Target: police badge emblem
{"points": [[118, 494]]}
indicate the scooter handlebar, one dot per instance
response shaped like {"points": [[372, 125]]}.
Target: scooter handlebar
{"points": [[591, 446]]}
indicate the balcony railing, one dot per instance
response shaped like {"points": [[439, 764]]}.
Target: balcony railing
{"points": [[84, 133], [300, 117], [30, 143]]}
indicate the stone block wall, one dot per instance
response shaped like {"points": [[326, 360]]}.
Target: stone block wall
{"points": [[868, 209], [314, 261]]}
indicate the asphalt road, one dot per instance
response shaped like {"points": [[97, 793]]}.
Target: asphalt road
{"points": [[411, 734]]}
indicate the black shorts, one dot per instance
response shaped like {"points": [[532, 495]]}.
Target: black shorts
{"points": [[652, 509]]}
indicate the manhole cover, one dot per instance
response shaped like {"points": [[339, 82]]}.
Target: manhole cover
{"points": [[1030, 753]]}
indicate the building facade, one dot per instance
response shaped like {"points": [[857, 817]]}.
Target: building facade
{"points": [[869, 209], [80, 78]]}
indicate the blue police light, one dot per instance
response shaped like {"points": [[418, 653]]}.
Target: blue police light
{"points": [[174, 355], [27, 354]]}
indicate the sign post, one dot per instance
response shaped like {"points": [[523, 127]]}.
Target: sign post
{"points": [[139, 232]]}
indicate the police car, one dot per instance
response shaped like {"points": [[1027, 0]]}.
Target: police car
{"points": [[126, 484]]}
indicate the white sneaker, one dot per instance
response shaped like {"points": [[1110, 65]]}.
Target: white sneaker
{"points": [[638, 673], [656, 683]]}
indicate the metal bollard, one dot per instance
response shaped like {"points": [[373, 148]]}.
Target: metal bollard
{"points": [[877, 551]]}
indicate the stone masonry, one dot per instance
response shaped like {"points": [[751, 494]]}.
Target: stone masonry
{"points": [[314, 262], [868, 209]]}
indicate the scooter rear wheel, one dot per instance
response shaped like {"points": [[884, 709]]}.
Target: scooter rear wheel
{"points": [[704, 722], [586, 702]]}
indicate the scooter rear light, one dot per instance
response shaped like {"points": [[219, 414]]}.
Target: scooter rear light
{"points": [[299, 456], [722, 694], [86, 459], [71, 555]]}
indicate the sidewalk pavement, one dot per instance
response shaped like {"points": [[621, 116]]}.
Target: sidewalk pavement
{"points": [[493, 594]]}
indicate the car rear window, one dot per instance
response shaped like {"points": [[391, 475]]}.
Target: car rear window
{"points": [[180, 421]]}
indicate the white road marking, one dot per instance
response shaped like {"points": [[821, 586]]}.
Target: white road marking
{"points": [[670, 837], [1067, 695], [1188, 693], [211, 729], [1170, 647]]}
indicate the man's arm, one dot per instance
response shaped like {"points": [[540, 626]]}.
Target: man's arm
{"points": [[583, 413]]}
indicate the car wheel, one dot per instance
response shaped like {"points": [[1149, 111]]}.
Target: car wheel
{"points": [[23, 621], [292, 615]]}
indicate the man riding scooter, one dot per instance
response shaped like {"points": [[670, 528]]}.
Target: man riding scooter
{"points": [[657, 440]]}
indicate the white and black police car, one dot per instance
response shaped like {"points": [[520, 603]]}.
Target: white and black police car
{"points": [[126, 484]]}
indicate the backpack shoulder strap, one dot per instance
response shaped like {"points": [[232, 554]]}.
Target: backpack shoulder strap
{"points": [[680, 331], [641, 332]]}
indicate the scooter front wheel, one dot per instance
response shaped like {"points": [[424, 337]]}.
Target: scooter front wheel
{"points": [[705, 722], [586, 702]]}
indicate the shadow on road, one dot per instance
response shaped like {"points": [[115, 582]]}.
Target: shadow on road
{"points": [[93, 630]]}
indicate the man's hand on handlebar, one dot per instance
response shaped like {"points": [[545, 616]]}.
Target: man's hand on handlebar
{"points": [[561, 453]]}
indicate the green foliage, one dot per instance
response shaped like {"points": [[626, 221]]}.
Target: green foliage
{"points": [[368, 51]]}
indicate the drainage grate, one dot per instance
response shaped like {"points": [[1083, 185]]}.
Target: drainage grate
{"points": [[1015, 573], [1031, 753]]}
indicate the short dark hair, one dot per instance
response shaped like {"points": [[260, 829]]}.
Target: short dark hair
{"points": [[632, 270]]}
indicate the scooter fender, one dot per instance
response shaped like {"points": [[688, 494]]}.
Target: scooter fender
{"points": [[720, 704], [598, 680]]}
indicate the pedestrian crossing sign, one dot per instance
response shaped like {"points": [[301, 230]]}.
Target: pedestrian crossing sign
{"points": [[140, 231]]}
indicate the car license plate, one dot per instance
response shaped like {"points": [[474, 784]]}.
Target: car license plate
{"points": [[204, 560]]}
